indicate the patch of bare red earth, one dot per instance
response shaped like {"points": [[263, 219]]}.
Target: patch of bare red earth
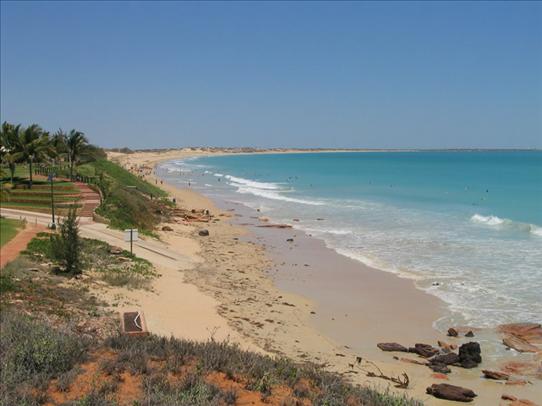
{"points": [[12, 249], [128, 387]]}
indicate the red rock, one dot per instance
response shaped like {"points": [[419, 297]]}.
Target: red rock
{"points": [[447, 347], [412, 361], [522, 402], [530, 332], [519, 344], [463, 330], [439, 376], [424, 350], [508, 397], [497, 375], [275, 226], [524, 368], [516, 382], [392, 347], [451, 392]]}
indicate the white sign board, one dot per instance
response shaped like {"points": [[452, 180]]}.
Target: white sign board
{"points": [[134, 235]]}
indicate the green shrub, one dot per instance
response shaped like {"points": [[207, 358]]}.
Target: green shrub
{"points": [[66, 246], [6, 282], [31, 353]]}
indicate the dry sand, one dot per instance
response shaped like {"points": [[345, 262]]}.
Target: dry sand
{"points": [[231, 286]]}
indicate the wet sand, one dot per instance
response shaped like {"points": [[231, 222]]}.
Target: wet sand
{"points": [[354, 304]]}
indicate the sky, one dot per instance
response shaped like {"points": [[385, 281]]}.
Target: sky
{"points": [[277, 74]]}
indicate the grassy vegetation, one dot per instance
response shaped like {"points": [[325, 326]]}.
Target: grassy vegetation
{"points": [[9, 229], [123, 269], [129, 202], [32, 353], [38, 361], [123, 177]]}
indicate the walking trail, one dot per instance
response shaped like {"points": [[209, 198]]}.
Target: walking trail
{"points": [[11, 250]]}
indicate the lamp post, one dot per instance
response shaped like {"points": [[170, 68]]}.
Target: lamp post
{"points": [[53, 225]]}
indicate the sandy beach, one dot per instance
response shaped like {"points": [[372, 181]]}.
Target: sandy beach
{"points": [[250, 285]]}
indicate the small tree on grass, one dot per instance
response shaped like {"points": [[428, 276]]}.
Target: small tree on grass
{"points": [[67, 245]]}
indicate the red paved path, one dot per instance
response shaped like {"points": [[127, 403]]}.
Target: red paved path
{"points": [[11, 250]]}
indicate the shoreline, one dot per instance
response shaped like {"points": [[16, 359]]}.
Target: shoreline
{"points": [[234, 291]]}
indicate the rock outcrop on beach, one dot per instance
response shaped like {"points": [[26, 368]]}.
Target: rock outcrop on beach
{"points": [[392, 347], [446, 359], [451, 392], [424, 350], [530, 332], [496, 375], [522, 337], [470, 355], [275, 226], [519, 344], [523, 368]]}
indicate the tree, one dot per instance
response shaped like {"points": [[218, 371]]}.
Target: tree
{"points": [[76, 146], [67, 245], [33, 146], [58, 143], [9, 135]]}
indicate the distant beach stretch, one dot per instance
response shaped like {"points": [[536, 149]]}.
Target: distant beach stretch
{"points": [[452, 221]]}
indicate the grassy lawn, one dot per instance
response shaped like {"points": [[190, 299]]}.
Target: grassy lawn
{"points": [[38, 198], [9, 229]]}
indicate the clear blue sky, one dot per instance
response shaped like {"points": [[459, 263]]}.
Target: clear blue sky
{"points": [[320, 74]]}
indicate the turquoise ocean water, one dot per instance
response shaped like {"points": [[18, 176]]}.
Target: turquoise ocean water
{"points": [[467, 226]]}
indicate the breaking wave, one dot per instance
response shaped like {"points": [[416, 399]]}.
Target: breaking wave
{"points": [[497, 222], [267, 190]]}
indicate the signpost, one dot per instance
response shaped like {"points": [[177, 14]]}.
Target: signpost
{"points": [[131, 235]]}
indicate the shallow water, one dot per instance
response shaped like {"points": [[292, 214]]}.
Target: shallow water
{"points": [[465, 225]]}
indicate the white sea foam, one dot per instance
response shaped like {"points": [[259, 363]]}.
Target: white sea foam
{"points": [[267, 190], [536, 230], [488, 220], [275, 195], [328, 231], [498, 222], [218, 175], [251, 183]]}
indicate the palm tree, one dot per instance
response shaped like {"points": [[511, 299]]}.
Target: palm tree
{"points": [[76, 146], [33, 146], [9, 135], [58, 142]]}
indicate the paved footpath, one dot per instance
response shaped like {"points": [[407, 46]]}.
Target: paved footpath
{"points": [[11, 250]]}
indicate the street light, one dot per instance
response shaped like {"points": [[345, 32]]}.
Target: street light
{"points": [[50, 178]]}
